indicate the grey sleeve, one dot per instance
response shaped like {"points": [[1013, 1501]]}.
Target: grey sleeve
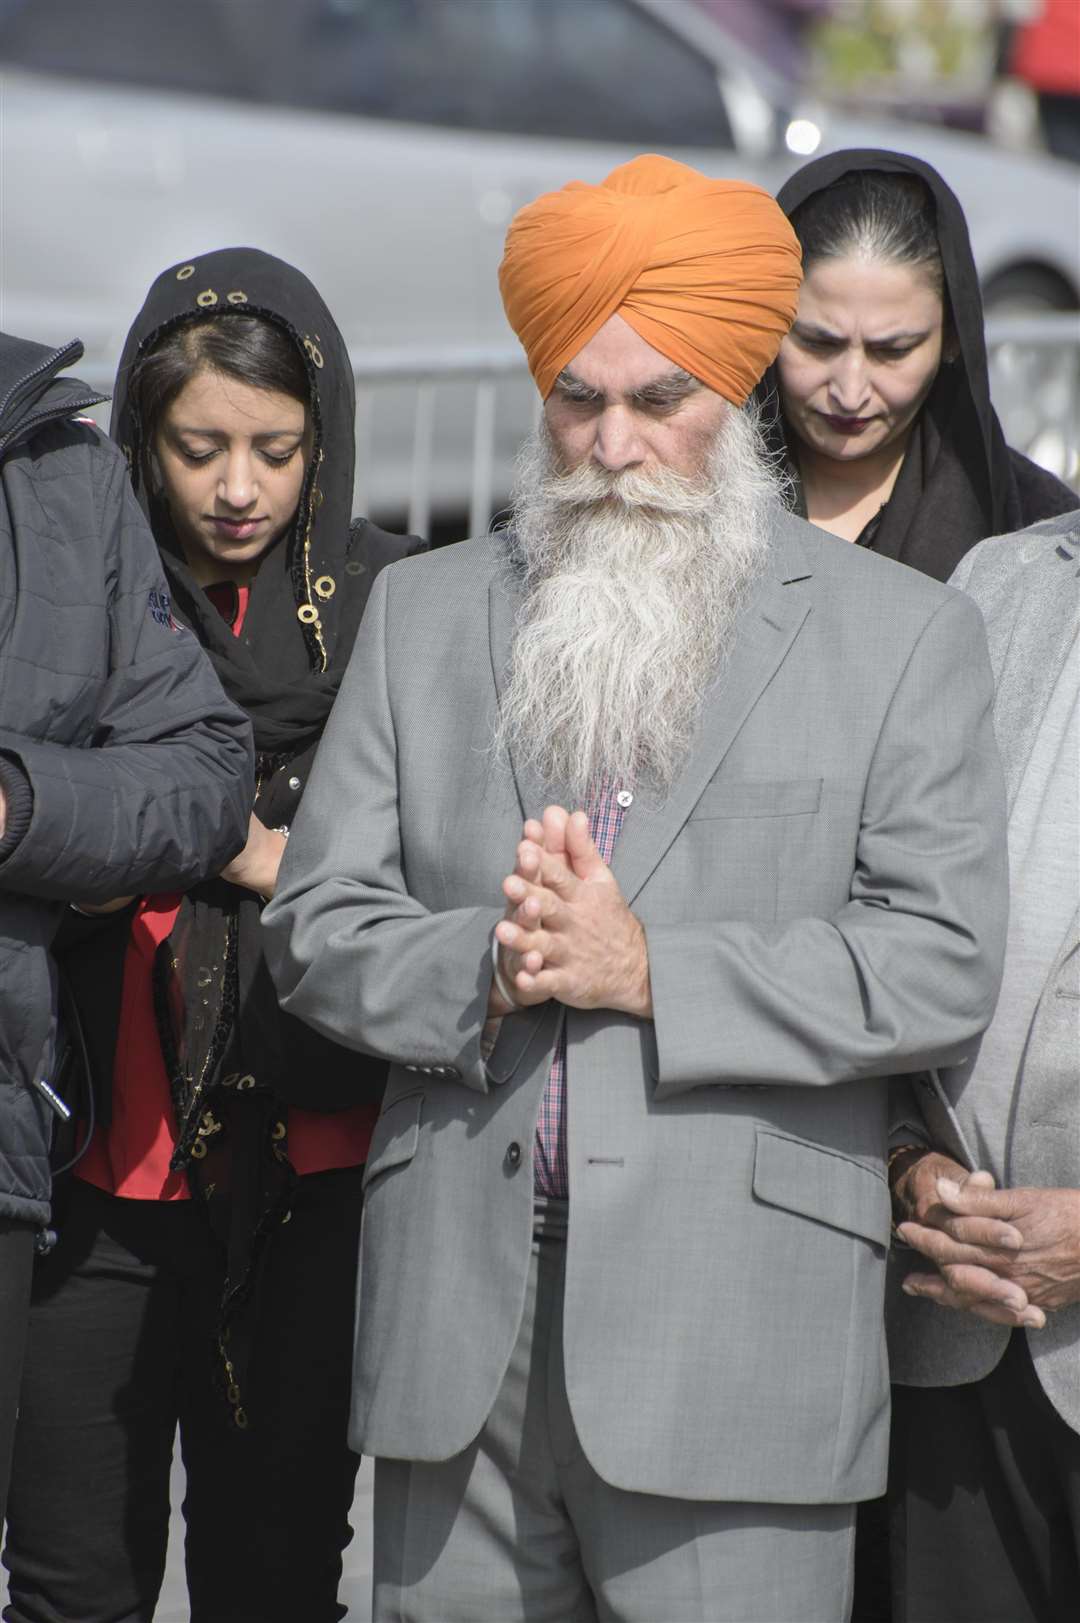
{"points": [[351, 951], [161, 797], [905, 976]]}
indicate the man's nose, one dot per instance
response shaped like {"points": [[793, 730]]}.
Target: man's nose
{"points": [[617, 444], [849, 383], [239, 481]]}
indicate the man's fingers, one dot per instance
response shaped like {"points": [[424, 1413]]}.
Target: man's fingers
{"points": [[529, 904], [581, 848], [524, 942], [554, 830], [537, 906], [974, 1284], [988, 1232], [976, 1290], [538, 988], [980, 1180], [1031, 1318], [556, 876], [974, 1200], [946, 1252], [529, 857]]}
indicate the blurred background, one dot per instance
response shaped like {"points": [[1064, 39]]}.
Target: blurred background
{"points": [[383, 145]]}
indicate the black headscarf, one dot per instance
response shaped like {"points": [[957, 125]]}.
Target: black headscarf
{"points": [[959, 481], [282, 671], [235, 1059]]}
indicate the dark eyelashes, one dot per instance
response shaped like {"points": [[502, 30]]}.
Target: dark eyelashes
{"points": [[274, 461]]}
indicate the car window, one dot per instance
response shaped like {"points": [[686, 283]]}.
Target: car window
{"points": [[583, 69]]}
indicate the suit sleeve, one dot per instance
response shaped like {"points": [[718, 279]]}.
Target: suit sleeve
{"points": [[351, 951], [161, 797], [905, 976]]}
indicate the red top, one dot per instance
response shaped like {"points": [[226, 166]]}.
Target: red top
{"points": [[130, 1155], [1046, 51]]}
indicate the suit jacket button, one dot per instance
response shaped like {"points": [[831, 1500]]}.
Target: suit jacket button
{"points": [[513, 1154]]}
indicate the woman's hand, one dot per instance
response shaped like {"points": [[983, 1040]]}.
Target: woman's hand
{"points": [[256, 866]]}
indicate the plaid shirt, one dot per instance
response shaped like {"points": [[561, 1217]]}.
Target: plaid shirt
{"points": [[606, 810]]}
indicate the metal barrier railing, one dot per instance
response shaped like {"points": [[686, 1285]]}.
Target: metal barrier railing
{"points": [[483, 368], [1035, 381]]}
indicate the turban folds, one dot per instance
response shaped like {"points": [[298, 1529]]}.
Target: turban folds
{"points": [[706, 271]]}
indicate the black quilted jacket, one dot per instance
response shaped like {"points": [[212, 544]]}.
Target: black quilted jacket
{"points": [[123, 765]]}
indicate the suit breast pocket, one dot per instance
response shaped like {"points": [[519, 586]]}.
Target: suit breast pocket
{"points": [[758, 797], [743, 842]]}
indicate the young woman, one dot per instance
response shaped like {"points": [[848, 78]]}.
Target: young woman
{"points": [[205, 1266], [880, 397]]}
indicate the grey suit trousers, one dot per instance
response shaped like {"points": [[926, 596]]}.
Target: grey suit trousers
{"points": [[518, 1528]]}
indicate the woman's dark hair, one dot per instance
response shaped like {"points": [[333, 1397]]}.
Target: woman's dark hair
{"points": [[249, 348], [872, 214]]}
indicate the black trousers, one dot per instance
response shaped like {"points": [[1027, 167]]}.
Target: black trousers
{"points": [[985, 1489], [16, 1270], [121, 1350]]}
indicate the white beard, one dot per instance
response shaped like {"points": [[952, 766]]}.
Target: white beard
{"points": [[632, 584]]}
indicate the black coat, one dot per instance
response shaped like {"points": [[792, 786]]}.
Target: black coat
{"points": [[124, 766]]}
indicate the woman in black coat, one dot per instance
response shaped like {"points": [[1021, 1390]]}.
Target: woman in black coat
{"points": [[204, 1276]]}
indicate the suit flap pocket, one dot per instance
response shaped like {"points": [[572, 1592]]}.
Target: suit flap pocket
{"points": [[396, 1135], [758, 797], [817, 1182]]}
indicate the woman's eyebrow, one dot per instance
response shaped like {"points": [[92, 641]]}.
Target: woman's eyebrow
{"points": [[810, 329], [222, 434], [824, 335]]}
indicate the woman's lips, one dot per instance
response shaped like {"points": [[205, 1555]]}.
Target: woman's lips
{"points": [[847, 425], [237, 529]]}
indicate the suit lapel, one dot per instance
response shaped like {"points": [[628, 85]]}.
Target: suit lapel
{"points": [[770, 625], [503, 603]]}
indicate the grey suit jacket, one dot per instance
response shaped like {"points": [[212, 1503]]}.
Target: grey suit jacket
{"points": [[823, 894], [1028, 586]]}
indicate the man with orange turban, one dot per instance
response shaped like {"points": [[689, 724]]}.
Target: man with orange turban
{"points": [[647, 838]]}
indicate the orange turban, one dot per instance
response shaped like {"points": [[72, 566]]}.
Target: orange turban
{"points": [[706, 271]]}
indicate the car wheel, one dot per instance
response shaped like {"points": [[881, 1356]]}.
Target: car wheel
{"points": [[1036, 385], [1027, 290]]}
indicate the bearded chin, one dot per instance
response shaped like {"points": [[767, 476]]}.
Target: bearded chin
{"points": [[631, 587]]}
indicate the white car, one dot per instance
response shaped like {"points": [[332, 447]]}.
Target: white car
{"points": [[383, 145]]}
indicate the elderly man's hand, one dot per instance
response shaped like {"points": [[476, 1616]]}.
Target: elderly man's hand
{"points": [[550, 836], [958, 1284], [570, 935], [1046, 1263]]}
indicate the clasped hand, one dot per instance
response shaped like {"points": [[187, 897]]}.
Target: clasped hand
{"points": [[568, 933], [1006, 1255]]}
